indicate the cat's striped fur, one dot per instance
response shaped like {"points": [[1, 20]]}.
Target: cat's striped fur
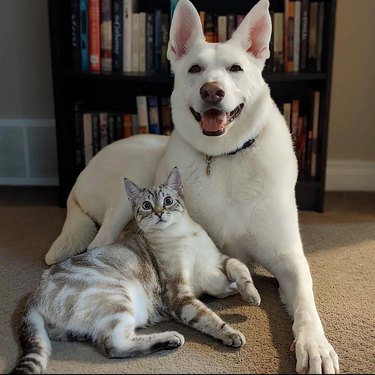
{"points": [[163, 262]]}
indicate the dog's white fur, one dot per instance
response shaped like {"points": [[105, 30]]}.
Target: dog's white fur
{"points": [[247, 203]]}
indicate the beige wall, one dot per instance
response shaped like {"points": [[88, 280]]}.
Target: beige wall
{"points": [[25, 72], [352, 116]]}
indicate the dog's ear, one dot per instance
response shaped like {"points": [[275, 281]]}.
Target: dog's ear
{"points": [[254, 32], [186, 29]]}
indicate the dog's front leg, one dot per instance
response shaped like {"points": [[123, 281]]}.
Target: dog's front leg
{"points": [[313, 351]]}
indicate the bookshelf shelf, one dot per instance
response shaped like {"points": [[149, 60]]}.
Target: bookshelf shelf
{"points": [[116, 91]]}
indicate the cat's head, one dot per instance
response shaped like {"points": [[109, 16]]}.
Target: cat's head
{"points": [[157, 207]]}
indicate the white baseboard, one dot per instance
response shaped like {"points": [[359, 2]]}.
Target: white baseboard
{"points": [[350, 175]]}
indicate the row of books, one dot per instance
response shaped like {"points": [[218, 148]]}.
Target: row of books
{"points": [[297, 37], [111, 36], [97, 129], [304, 129]]}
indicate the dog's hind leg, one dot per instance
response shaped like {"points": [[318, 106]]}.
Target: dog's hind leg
{"points": [[77, 233]]}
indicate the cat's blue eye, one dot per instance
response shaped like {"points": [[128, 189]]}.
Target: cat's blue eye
{"points": [[168, 201], [146, 205]]}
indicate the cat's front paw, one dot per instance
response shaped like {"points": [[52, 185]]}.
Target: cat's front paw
{"points": [[250, 294], [174, 340], [232, 338]]}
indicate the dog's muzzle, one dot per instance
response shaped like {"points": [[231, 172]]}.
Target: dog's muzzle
{"points": [[214, 122]]}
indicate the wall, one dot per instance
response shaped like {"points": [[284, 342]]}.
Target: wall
{"points": [[27, 140]]}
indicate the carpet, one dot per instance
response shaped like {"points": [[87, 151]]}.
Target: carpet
{"points": [[339, 245]]}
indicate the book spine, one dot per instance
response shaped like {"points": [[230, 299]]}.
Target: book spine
{"points": [[290, 36], [94, 35], [87, 136], [106, 35], [315, 130], [304, 34], [135, 42], [239, 19], [79, 142], [128, 125], [142, 42], [84, 34], [157, 40], [129, 8], [313, 28], [202, 16], [76, 46], [209, 30], [95, 125], [117, 35], [164, 41], [103, 129], [222, 28], [111, 121], [269, 64], [231, 25], [153, 115], [149, 42], [320, 33], [119, 125], [286, 33], [166, 115], [294, 121], [142, 114], [278, 42], [287, 110], [135, 123], [297, 35]]}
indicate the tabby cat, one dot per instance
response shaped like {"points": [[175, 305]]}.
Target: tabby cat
{"points": [[162, 263]]}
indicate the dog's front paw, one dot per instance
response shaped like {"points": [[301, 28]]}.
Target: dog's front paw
{"points": [[315, 355], [232, 338], [250, 294]]}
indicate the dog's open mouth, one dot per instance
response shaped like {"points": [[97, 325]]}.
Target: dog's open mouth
{"points": [[214, 122]]}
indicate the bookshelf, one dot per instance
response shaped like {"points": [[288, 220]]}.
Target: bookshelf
{"points": [[116, 91]]}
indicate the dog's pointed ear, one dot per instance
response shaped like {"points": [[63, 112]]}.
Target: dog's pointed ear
{"points": [[254, 32], [186, 29]]}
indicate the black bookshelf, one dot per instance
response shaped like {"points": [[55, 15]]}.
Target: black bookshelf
{"points": [[117, 91]]}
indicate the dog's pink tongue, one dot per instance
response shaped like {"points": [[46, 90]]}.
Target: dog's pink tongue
{"points": [[213, 120]]}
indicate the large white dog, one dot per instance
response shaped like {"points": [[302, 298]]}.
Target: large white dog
{"points": [[235, 155]]}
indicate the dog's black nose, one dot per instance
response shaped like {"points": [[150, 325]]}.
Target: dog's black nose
{"points": [[212, 92]]}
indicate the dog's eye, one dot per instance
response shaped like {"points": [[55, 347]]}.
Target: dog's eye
{"points": [[168, 201], [146, 205], [195, 69], [235, 68]]}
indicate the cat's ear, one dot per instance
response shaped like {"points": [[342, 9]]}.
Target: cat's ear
{"points": [[132, 190], [174, 181]]}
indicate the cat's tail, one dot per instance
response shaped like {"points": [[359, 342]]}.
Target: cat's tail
{"points": [[35, 344], [77, 233]]}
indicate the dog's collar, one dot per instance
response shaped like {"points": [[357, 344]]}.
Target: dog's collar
{"points": [[246, 145]]}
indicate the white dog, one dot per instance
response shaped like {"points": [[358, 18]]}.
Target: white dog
{"points": [[235, 155]]}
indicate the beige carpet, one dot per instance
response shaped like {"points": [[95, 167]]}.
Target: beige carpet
{"points": [[340, 248]]}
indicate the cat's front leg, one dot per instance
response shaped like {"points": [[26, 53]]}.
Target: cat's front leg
{"points": [[191, 311], [237, 271]]}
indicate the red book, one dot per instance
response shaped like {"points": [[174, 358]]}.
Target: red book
{"points": [[94, 35]]}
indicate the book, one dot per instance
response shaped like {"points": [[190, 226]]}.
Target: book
{"points": [[153, 115], [117, 35], [301, 144], [297, 35], [111, 124], [78, 138], [128, 125], [304, 34], [84, 34], [202, 15], [173, 4], [294, 114], [289, 51], [95, 126], [286, 33], [119, 125], [149, 42], [231, 24], [209, 29], [75, 30], [94, 35], [103, 129], [157, 40], [315, 130], [87, 137], [142, 42], [222, 28], [313, 35], [268, 66], [164, 42], [135, 123], [135, 43], [287, 110], [129, 7], [142, 112], [320, 33], [166, 115], [239, 19], [106, 35], [278, 42]]}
